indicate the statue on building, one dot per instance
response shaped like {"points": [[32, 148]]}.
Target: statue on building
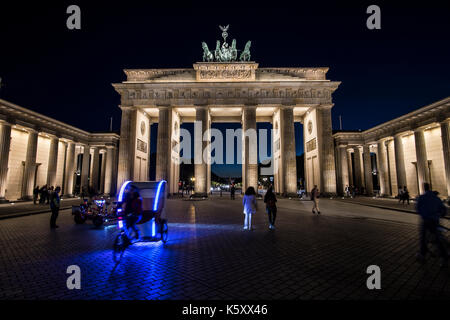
{"points": [[224, 52]]}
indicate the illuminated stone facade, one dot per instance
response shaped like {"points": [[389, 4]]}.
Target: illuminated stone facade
{"points": [[407, 151]]}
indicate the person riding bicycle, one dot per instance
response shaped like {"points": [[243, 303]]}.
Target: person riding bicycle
{"points": [[133, 210]]}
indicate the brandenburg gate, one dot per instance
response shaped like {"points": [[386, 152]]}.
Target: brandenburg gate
{"points": [[224, 88]]}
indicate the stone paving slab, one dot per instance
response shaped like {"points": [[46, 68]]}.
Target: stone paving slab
{"points": [[209, 256], [19, 209]]}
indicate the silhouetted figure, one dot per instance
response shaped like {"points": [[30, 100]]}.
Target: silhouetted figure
{"points": [[35, 194], [315, 199], [431, 209], [43, 194], [232, 191], [54, 206], [405, 195], [271, 206]]}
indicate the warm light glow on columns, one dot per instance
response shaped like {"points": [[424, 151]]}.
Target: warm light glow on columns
{"points": [[163, 141], [382, 167], [326, 150], [102, 172], [445, 136], [343, 179], [109, 169], [30, 165], [70, 169], [367, 170], [358, 169], [5, 142], [350, 167], [388, 169], [126, 145], [421, 157], [200, 167], [52, 161], [249, 148], [95, 170], [85, 169], [399, 161], [288, 150]]}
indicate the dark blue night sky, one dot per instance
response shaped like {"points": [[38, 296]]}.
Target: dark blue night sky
{"points": [[67, 74]]}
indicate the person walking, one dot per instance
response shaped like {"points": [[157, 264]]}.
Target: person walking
{"points": [[347, 191], [405, 195], [431, 209], [35, 194], [54, 206], [250, 206], [315, 198], [271, 206], [232, 191], [43, 194], [400, 194]]}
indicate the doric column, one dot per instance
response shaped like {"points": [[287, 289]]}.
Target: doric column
{"points": [[102, 173], [288, 149], [358, 169], [163, 141], [249, 148], [388, 169], [200, 166], [421, 157], [343, 170], [5, 142], [367, 169], [70, 169], [85, 169], [52, 161], [30, 165], [350, 167], [126, 145], [445, 136], [399, 161], [326, 148], [109, 167], [95, 170], [382, 167]]}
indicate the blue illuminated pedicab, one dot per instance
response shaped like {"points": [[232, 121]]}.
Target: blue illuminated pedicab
{"points": [[152, 224]]}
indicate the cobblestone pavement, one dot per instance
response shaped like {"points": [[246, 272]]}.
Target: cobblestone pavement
{"points": [[209, 256]]}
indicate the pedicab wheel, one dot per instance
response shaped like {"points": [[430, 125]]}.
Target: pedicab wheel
{"points": [[79, 218], [97, 221], [164, 231], [119, 247]]}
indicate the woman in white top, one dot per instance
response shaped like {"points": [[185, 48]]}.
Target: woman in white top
{"points": [[249, 203]]}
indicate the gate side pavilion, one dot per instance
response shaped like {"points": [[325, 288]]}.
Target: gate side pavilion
{"points": [[228, 92]]}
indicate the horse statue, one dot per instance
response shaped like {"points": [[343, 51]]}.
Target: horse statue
{"points": [[207, 55], [233, 50], [217, 52], [245, 55]]}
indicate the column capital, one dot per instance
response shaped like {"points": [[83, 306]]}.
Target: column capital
{"points": [[446, 121], [6, 123]]}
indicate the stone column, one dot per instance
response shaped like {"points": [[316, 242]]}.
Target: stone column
{"points": [[85, 169], [70, 169], [382, 167], [343, 171], [388, 169], [200, 166], [5, 143], [421, 157], [350, 167], [95, 170], [445, 136], [399, 161], [358, 169], [126, 145], [249, 148], [52, 161], [109, 169], [326, 150], [30, 165], [367, 170], [288, 150], [163, 141], [102, 172]]}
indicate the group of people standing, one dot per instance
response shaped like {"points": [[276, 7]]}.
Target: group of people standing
{"points": [[42, 195], [48, 195]]}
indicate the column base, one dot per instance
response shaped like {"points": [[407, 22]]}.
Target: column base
{"points": [[3, 200], [199, 195], [26, 198]]}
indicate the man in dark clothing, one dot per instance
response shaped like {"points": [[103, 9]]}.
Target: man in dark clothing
{"points": [[232, 191], [54, 206], [431, 209], [271, 206], [35, 194]]}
